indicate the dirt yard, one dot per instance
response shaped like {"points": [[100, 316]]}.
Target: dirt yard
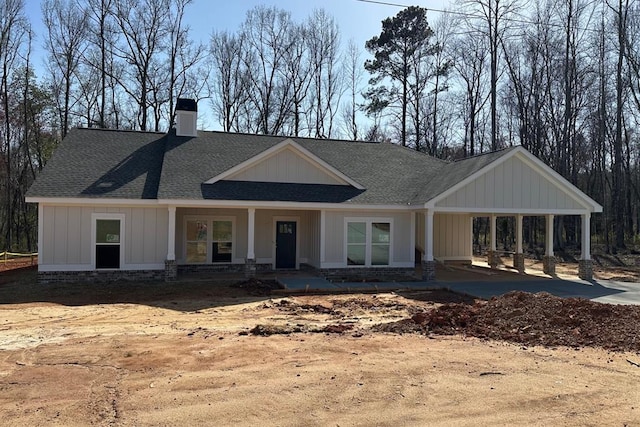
{"points": [[201, 354]]}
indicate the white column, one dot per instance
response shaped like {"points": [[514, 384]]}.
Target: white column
{"points": [[492, 226], [428, 236], [549, 236], [518, 234], [412, 238], [41, 259], [586, 237], [251, 231], [323, 220], [171, 237]]}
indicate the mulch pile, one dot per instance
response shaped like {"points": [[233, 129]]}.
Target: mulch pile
{"points": [[532, 319]]}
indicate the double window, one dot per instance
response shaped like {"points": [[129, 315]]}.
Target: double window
{"points": [[368, 242], [209, 240]]}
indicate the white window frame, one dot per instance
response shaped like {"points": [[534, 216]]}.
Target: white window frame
{"points": [[95, 217], [368, 243], [209, 220]]}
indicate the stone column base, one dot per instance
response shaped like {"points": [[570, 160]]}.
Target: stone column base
{"points": [[518, 262], [170, 270], [585, 269], [493, 259], [549, 265], [250, 268], [428, 271]]}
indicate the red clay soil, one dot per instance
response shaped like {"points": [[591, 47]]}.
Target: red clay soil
{"points": [[532, 319], [17, 263]]}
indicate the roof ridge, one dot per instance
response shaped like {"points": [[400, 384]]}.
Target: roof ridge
{"points": [[83, 128], [487, 153]]}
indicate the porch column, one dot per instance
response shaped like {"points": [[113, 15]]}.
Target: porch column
{"points": [[548, 260], [585, 266], [518, 257], [170, 267], [492, 256], [250, 261], [323, 220], [428, 263]]}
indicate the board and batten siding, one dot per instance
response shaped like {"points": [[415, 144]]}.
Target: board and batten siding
{"points": [[285, 166], [335, 233], [452, 236], [513, 184], [67, 236]]}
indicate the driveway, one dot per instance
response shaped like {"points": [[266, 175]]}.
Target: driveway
{"points": [[601, 290], [597, 290]]}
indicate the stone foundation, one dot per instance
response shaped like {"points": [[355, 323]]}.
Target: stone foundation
{"points": [[493, 259], [549, 265], [428, 271], [518, 262], [367, 273], [220, 268], [45, 277], [250, 268], [170, 271], [585, 269]]}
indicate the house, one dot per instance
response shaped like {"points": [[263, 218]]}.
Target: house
{"points": [[144, 205]]}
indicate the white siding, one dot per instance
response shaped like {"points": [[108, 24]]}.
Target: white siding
{"points": [[511, 185], [285, 166], [452, 237], [313, 233], [67, 236]]}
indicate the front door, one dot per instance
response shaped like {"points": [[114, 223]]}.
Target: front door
{"points": [[285, 244]]}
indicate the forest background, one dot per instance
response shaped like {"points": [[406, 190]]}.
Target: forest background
{"points": [[559, 77]]}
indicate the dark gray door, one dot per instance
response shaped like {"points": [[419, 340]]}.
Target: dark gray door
{"points": [[285, 244]]}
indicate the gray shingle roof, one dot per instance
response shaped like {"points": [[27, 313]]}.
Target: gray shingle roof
{"points": [[103, 164], [146, 165]]}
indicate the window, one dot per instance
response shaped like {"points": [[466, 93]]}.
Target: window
{"points": [[368, 242], [356, 243], [222, 239], [197, 242], [209, 240], [380, 238], [107, 240]]}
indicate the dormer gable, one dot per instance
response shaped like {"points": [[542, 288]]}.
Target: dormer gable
{"points": [[286, 162]]}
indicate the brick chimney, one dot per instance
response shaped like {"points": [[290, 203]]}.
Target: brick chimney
{"points": [[186, 117]]}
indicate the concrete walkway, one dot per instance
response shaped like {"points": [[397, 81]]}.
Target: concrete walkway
{"points": [[601, 291]]}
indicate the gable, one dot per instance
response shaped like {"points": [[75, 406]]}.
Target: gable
{"points": [[517, 184], [286, 162], [286, 166]]}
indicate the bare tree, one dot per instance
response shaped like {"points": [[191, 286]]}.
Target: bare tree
{"points": [[266, 32], [66, 41], [230, 81], [144, 27], [470, 55], [353, 75], [323, 43]]}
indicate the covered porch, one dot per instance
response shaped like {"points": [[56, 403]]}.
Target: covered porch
{"points": [[518, 185]]}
